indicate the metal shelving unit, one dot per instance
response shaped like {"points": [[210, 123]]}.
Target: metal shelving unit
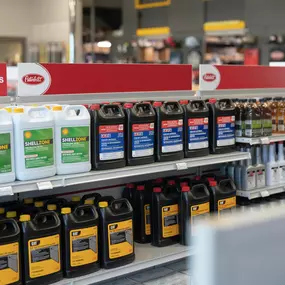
{"points": [[261, 140], [147, 256], [109, 177]]}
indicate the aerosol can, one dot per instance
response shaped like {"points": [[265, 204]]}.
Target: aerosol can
{"points": [[272, 172], [248, 174], [281, 161], [260, 168]]}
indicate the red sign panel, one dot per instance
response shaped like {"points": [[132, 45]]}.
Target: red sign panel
{"points": [[3, 80], [48, 79], [217, 77]]}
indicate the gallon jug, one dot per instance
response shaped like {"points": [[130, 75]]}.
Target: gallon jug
{"points": [[41, 248], [266, 117], [108, 137], [196, 123], [239, 115], [80, 240], [221, 125], [164, 217], [272, 173], [59, 202], [274, 113], [72, 134], [116, 233], [108, 199], [2, 212], [281, 116], [75, 201], [141, 205], [7, 167], [92, 196], [169, 131], [34, 134], [128, 192], [140, 134], [253, 119], [10, 263]]}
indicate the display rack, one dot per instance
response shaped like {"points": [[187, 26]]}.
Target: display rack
{"points": [[261, 140]]}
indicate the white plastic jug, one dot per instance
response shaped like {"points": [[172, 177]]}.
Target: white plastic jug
{"points": [[7, 167], [34, 138], [72, 135]]}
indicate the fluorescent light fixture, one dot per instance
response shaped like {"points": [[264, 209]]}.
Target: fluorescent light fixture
{"points": [[104, 44]]}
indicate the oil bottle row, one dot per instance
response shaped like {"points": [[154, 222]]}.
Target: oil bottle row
{"points": [[259, 117], [74, 241], [266, 167], [166, 211], [73, 139]]}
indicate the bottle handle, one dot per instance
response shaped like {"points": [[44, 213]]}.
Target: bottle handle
{"points": [[47, 214], [38, 109], [122, 201], [13, 223], [84, 208], [79, 108]]}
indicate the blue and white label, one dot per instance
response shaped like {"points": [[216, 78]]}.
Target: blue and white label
{"points": [[172, 133], [198, 133], [142, 140], [111, 142], [225, 129]]}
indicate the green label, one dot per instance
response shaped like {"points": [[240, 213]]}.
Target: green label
{"points": [[74, 144], [5, 153], [38, 148], [267, 124]]}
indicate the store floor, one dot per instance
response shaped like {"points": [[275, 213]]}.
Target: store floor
{"points": [[176, 273]]}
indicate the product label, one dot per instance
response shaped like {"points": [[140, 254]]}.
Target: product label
{"points": [[274, 175], [198, 213], [111, 142], [253, 128], [147, 219], [44, 256], [251, 180], [225, 129], [170, 226], [281, 123], [38, 148], [142, 140], [267, 127], [260, 178], [172, 133], [83, 246], [9, 263], [198, 133], [75, 144], [226, 205], [5, 153], [120, 236]]}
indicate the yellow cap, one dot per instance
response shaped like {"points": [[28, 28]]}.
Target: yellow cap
{"points": [[57, 108], [19, 110], [28, 201], [103, 204], [39, 204], [66, 210], [89, 202], [48, 107], [2, 211], [11, 214], [8, 109], [51, 207], [75, 198], [35, 105], [25, 218]]}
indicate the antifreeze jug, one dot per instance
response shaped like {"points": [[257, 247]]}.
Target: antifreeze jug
{"points": [[116, 233], [92, 196], [80, 240], [41, 248], [140, 133]]}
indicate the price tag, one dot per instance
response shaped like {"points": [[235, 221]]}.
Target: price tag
{"points": [[264, 193], [45, 185], [181, 165], [265, 140], [6, 191]]}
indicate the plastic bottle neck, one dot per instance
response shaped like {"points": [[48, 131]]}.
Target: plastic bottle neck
{"points": [[280, 152], [272, 153], [249, 160], [258, 155], [265, 153]]}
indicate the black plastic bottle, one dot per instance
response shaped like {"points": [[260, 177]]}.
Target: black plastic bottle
{"points": [[92, 196], [164, 219], [108, 137], [80, 241], [10, 253], [221, 126], [184, 216], [196, 126], [141, 119], [41, 248], [169, 131], [75, 201], [128, 192], [59, 202], [116, 233], [142, 217]]}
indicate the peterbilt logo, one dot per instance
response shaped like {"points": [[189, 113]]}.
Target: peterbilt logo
{"points": [[33, 79], [209, 77]]}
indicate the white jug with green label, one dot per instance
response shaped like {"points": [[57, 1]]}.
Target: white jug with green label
{"points": [[72, 135], [34, 143], [7, 168]]}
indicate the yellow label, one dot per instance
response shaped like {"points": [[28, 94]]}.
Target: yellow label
{"points": [[44, 256], [9, 263], [120, 236], [147, 219], [225, 205], [170, 226], [83, 246], [198, 213]]}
